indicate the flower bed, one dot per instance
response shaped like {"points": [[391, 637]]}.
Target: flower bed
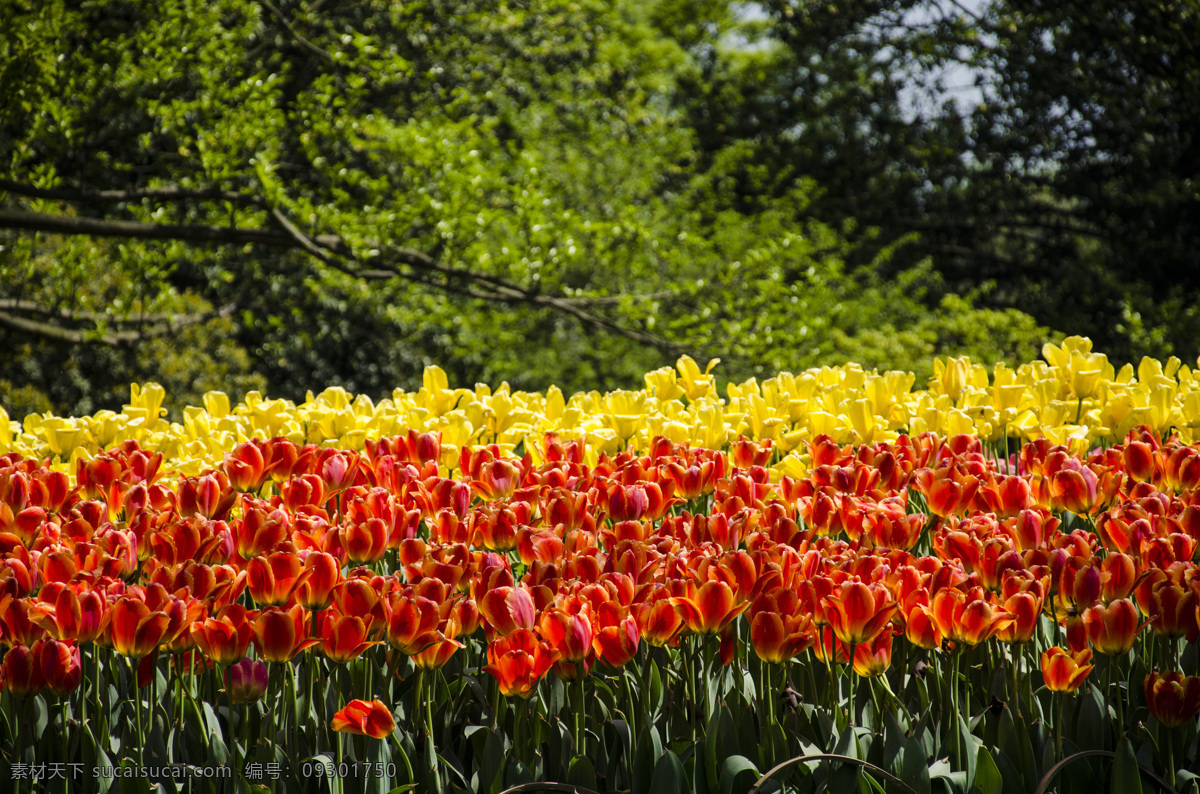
{"points": [[819, 581]]}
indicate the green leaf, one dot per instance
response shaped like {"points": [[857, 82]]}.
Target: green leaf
{"points": [[912, 766], [738, 775], [669, 777], [988, 779], [1016, 744], [1091, 725], [1125, 776], [649, 750], [582, 773], [968, 748]]}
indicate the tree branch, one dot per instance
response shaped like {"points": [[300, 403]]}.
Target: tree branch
{"points": [[303, 42], [196, 233], [173, 320], [113, 338], [158, 193], [326, 249]]}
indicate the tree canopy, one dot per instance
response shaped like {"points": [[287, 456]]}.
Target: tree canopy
{"points": [[295, 194]]}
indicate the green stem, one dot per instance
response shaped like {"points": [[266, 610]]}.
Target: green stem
{"points": [[522, 711], [233, 734], [1014, 679], [137, 704], [853, 676], [578, 707], [341, 782], [1171, 758], [1058, 719], [430, 694]]}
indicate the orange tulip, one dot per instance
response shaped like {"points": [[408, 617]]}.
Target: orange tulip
{"points": [[365, 541], [874, 657], [324, 574], [135, 629], [778, 628], [435, 655], [208, 495], [412, 623], [518, 661], [617, 644], [506, 609], [1064, 672], [1112, 629], [260, 530], [245, 466], [1173, 610], [67, 616], [968, 617], [273, 579], [279, 635], [828, 646], [225, 637], [567, 627], [857, 612], [659, 622], [1173, 698], [1118, 575], [365, 719], [343, 638], [707, 609], [1026, 608], [921, 628], [1139, 459]]}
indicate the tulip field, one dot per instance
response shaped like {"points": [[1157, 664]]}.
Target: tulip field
{"points": [[829, 581]]}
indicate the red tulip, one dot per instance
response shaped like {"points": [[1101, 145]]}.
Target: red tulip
{"points": [[246, 681], [707, 609], [273, 579], [1064, 672], [372, 719], [1112, 629], [518, 661], [225, 637], [857, 612], [280, 635], [60, 665], [874, 657], [22, 671], [134, 629], [1173, 698]]}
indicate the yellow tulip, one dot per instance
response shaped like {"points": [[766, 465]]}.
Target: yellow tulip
{"points": [[695, 383]]}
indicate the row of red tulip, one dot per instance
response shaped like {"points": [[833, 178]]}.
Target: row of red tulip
{"points": [[563, 565]]}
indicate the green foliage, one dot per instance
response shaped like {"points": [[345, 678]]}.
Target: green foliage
{"points": [[543, 150], [1044, 148]]}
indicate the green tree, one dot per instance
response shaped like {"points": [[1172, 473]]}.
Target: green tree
{"points": [[332, 193], [1061, 183]]}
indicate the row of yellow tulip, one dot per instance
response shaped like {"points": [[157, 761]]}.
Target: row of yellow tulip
{"points": [[1073, 397]]}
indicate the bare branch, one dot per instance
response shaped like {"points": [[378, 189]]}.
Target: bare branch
{"points": [[172, 320], [323, 247], [58, 333], [196, 233], [157, 193], [303, 42]]}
